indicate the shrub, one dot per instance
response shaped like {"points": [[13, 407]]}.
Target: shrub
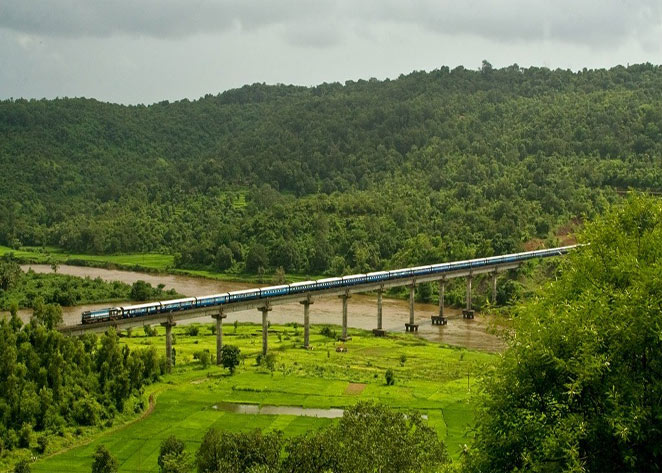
{"points": [[204, 356], [390, 377], [25, 436], [327, 332], [23, 466], [42, 443], [104, 462], [230, 357]]}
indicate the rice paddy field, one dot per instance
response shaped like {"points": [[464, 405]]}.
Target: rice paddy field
{"points": [[438, 381]]}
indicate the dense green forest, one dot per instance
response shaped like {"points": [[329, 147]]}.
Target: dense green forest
{"points": [[367, 174], [51, 384]]}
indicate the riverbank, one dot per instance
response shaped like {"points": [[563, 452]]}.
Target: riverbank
{"points": [[435, 380]]}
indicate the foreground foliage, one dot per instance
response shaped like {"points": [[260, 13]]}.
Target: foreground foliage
{"points": [[580, 389], [368, 438], [50, 383]]}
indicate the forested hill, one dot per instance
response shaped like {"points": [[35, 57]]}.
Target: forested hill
{"points": [[369, 173]]}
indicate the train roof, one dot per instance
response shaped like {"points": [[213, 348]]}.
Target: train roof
{"points": [[325, 280], [214, 296], [271, 288], [353, 276], [177, 301], [245, 291], [141, 306], [302, 283]]}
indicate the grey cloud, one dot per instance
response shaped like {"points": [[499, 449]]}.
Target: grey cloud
{"points": [[323, 23]]}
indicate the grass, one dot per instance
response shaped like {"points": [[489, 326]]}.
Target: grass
{"points": [[433, 381], [48, 255], [148, 262]]}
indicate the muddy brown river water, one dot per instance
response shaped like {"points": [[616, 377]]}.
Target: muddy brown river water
{"points": [[362, 310]]}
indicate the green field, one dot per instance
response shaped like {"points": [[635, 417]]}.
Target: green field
{"points": [[435, 380], [136, 261], [48, 255]]}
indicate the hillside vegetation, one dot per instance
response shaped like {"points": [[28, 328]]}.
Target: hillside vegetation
{"points": [[431, 166]]}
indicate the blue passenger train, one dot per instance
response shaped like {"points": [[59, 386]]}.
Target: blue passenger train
{"points": [[140, 310]]}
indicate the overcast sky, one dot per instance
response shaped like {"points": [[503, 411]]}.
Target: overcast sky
{"points": [[144, 51]]}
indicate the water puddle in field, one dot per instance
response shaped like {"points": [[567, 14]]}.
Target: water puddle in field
{"points": [[472, 334], [254, 409]]}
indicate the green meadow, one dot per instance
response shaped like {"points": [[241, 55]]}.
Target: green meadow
{"points": [[49, 255], [435, 380]]}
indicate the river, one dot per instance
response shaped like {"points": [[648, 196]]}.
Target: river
{"points": [[362, 308]]}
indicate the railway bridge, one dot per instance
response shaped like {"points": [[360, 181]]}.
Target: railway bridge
{"points": [[342, 287]]}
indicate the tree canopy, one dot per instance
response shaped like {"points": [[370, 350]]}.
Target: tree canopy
{"points": [[439, 165], [580, 387]]}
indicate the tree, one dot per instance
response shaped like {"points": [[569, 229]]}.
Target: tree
{"points": [[49, 315], [230, 357], [22, 466], [172, 458], [141, 290], [579, 388], [224, 258], [104, 462], [10, 273], [238, 451], [257, 258], [356, 444]]}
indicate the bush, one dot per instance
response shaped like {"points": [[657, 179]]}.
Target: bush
{"points": [[172, 450], [390, 377], [230, 357], [103, 462], [268, 360], [42, 443], [23, 466], [141, 291], [204, 356], [149, 331], [192, 330], [25, 436], [86, 411], [327, 332]]}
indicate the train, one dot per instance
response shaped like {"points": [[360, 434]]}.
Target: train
{"points": [[176, 305]]}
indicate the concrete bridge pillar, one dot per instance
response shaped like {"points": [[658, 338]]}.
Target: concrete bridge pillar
{"points": [[168, 326], [379, 331], [265, 327], [440, 319], [306, 322], [344, 297], [494, 287], [219, 335], [442, 290], [411, 326], [468, 313]]}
